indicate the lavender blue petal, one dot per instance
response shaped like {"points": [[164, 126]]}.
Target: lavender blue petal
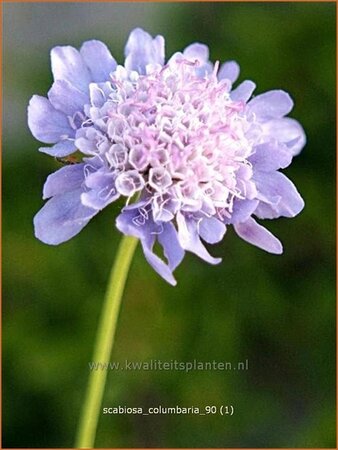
{"points": [[141, 49], [242, 210], [99, 93], [271, 105], [229, 70], [102, 190], [61, 218], [128, 224], [171, 246], [67, 98], [199, 52], [45, 122], [61, 149], [189, 239], [271, 156], [288, 131], [161, 268], [68, 178], [136, 222], [243, 91], [98, 59], [211, 230], [259, 236], [68, 64], [99, 199], [279, 196]]}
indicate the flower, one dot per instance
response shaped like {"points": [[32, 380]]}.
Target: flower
{"points": [[189, 154]]}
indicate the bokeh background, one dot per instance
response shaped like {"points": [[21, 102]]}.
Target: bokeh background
{"points": [[276, 311]]}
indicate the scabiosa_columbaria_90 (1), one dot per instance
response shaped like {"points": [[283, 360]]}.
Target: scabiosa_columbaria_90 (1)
{"points": [[189, 154]]}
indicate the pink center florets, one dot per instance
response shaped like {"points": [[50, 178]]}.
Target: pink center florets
{"points": [[177, 137]]}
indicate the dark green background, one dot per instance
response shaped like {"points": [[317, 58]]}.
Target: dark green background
{"points": [[276, 311]]}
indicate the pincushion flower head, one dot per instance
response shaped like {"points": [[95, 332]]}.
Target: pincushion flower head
{"points": [[189, 154]]}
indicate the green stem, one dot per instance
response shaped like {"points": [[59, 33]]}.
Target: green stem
{"points": [[104, 343]]}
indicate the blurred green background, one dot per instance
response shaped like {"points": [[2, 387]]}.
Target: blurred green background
{"points": [[276, 311]]}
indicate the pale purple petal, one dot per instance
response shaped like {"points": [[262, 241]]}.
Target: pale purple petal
{"points": [[243, 91], [99, 178], [99, 199], [102, 189], [91, 141], [259, 236], [271, 105], [242, 210], [288, 131], [156, 262], [175, 58], [271, 156], [204, 70], [131, 222], [197, 51], [141, 50], [171, 246], [86, 146], [68, 178], [97, 95], [137, 222], [189, 239], [279, 194], [68, 64], [61, 149], [229, 70], [67, 98], [45, 122], [61, 218], [211, 230], [98, 59]]}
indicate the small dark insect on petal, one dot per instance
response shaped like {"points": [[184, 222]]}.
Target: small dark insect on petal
{"points": [[67, 160]]}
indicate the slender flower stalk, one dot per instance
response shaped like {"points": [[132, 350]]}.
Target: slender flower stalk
{"points": [[104, 343]]}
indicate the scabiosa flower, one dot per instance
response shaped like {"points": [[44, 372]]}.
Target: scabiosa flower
{"points": [[189, 154]]}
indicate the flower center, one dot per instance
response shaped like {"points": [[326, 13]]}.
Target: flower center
{"points": [[177, 137]]}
